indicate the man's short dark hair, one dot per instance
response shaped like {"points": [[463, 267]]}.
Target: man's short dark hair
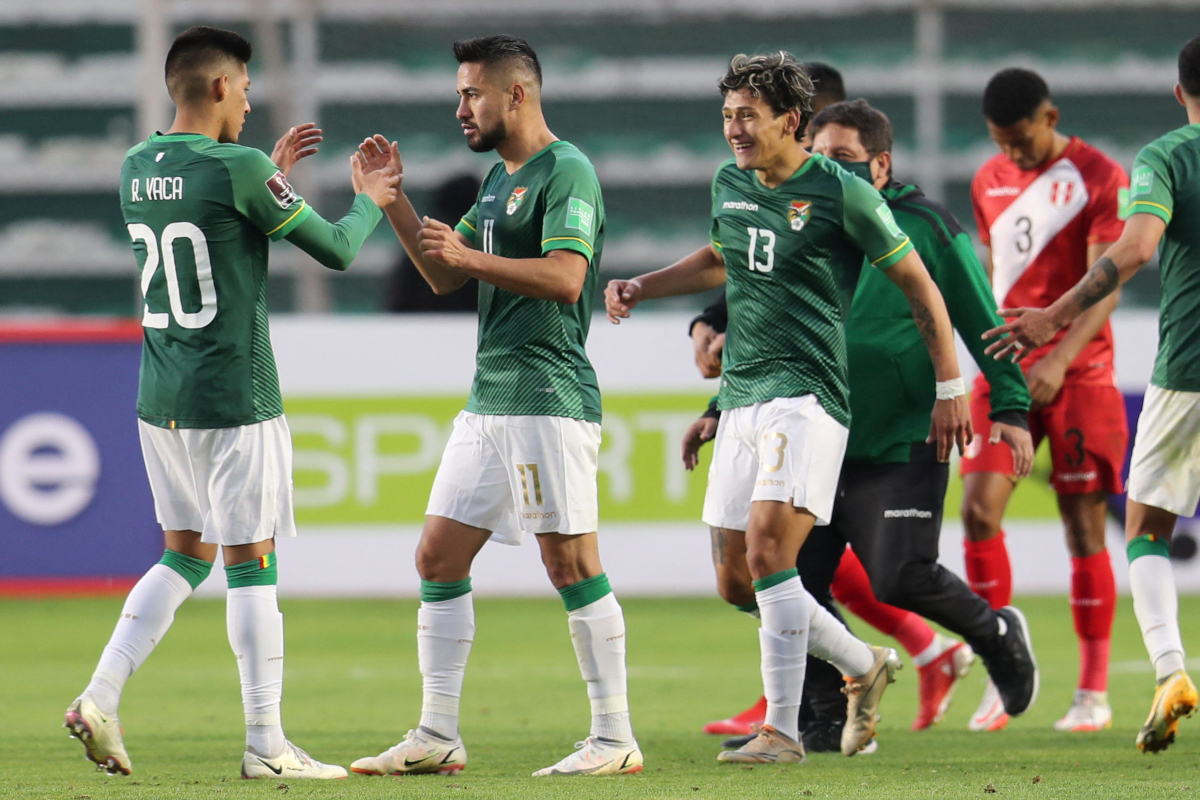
{"points": [[778, 79], [1012, 95], [1189, 68], [827, 81], [499, 49], [873, 126], [193, 52]]}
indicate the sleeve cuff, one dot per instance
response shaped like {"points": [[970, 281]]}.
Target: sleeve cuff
{"points": [[712, 412], [1010, 416], [888, 259], [568, 243], [1146, 207], [466, 229], [291, 223]]}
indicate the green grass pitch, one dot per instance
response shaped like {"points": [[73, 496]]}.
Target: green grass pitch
{"points": [[352, 689]]}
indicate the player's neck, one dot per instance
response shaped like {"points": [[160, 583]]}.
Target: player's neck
{"points": [[789, 161], [523, 143], [189, 120], [1193, 112]]}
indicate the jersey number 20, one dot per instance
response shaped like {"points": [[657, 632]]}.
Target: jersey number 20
{"points": [[204, 277]]}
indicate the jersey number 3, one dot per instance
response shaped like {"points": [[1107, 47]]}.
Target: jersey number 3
{"points": [[204, 277]]}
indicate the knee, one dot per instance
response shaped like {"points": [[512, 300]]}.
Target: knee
{"points": [[435, 564], [981, 521], [564, 573], [735, 589]]}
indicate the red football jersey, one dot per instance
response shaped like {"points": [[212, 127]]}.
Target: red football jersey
{"points": [[1038, 224]]}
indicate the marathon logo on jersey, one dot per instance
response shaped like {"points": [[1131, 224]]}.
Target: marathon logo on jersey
{"points": [[281, 190], [1002, 191], [798, 213], [739, 205], [515, 199], [1061, 193]]}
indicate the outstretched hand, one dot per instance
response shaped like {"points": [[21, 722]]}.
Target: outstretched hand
{"points": [[381, 185], [299, 142], [378, 153], [1029, 329]]}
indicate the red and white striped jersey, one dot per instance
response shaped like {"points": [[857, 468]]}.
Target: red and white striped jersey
{"points": [[1039, 223]]}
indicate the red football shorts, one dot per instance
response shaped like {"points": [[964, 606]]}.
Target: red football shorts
{"points": [[1086, 428]]}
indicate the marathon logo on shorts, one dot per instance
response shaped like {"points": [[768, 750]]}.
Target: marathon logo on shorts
{"points": [[906, 513], [539, 514], [1077, 477], [281, 190], [1061, 193]]}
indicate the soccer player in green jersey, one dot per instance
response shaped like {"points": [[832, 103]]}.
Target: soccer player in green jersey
{"points": [[201, 211], [789, 235], [1164, 473], [523, 455], [892, 489]]}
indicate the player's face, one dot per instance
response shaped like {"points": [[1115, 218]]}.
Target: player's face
{"points": [[1029, 142], [481, 108], [840, 143], [753, 130], [236, 105]]}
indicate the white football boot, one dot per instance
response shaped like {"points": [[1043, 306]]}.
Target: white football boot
{"points": [[990, 716], [420, 752], [1090, 711], [596, 756], [101, 735], [291, 763]]}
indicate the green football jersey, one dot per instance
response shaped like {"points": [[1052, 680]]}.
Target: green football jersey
{"points": [[531, 358], [793, 255], [201, 214], [1165, 182]]}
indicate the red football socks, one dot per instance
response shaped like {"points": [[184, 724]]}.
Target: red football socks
{"points": [[852, 588], [1093, 605], [989, 573]]}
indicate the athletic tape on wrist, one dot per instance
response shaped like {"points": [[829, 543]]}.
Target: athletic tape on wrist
{"points": [[948, 390]]}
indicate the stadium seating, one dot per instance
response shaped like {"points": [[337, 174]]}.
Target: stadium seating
{"points": [[634, 89]]}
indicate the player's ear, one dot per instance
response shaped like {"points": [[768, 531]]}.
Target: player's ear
{"points": [[516, 96], [1051, 115], [220, 87], [881, 166], [1179, 94], [792, 123]]}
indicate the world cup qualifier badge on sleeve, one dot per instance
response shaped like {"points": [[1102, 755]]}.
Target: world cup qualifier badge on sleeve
{"points": [[281, 190]]}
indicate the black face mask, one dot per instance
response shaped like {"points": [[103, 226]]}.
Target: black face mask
{"points": [[860, 168]]}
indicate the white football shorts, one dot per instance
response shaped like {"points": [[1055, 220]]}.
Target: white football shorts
{"points": [[1164, 470], [513, 475], [233, 485], [787, 449]]}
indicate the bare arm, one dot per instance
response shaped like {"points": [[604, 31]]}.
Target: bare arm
{"points": [[1033, 327], [1046, 377], [951, 418], [694, 273], [408, 226]]}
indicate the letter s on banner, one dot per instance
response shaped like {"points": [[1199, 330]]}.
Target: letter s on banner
{"points": [[49, 466]]}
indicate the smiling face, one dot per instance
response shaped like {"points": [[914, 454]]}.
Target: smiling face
{"points": [[757, 135], [483, 106], [235, 105], [1028, 142]]}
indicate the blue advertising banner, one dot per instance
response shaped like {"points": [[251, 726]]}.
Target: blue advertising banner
{"points": [[75, 507]]}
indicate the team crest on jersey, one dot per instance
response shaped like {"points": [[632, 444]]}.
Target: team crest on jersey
{"points": [[281, 190], [516, 198], [798, 214], [1061, 193]]}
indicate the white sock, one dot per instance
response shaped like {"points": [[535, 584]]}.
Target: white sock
{"points": [[783, 638], [598, 633], [148, 613], [830, 640], [255, 629], [1156, 606], [939, 645], [445, 630]]}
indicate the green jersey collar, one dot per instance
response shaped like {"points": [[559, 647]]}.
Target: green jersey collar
{"points": [[798, 173], [534, 157], [157, 136]]}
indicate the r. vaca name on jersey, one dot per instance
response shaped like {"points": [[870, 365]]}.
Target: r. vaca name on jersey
{"points": [[160, 187]]}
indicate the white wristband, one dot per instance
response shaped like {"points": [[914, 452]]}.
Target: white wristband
{"points": [[948, 390]]}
